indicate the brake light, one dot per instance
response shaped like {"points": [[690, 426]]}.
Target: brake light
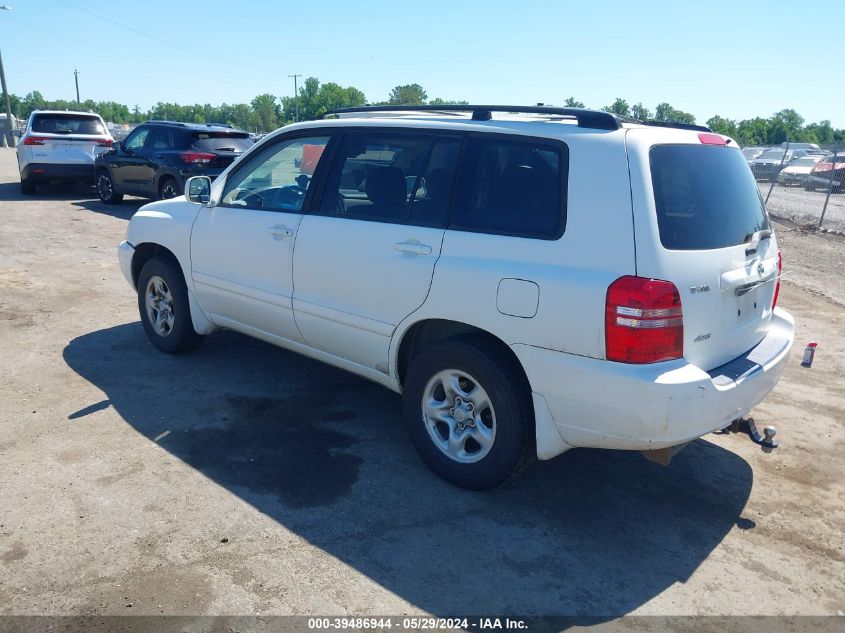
{"points": [[104, 142], [643, 321], [777, 285], [197, 158], [712, 139], [34, 140]]}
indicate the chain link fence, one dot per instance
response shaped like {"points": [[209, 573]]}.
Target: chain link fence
{"points": [[802, 182]]}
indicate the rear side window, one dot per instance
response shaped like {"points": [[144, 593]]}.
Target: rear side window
{"points": [[705, 197], [67, 124], [512, 187], [221, 141]]}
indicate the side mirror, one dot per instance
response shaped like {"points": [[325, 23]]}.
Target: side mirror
{"points": [[116, 145], [16, 133], [198, 189]]}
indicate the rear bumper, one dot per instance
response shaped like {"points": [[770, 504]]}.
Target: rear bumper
{"points": [[602, 404], [57, 171]]}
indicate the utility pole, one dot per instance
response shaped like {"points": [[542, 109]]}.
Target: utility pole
{"points": [[76, 79], [295, 98], [6, 93], [8, 105]]}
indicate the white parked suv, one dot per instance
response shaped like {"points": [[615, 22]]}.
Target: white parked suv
{"points": [[530, 279], [60, 146]]}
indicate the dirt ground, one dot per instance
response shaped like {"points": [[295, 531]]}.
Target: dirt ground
{"points": [[243, 479]]}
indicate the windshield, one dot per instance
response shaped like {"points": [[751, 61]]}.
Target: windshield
{"points": [[805, 162], [222, 141], [67, 124], [705, 197]]}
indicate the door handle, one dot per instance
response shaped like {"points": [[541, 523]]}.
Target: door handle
{"points": [[280, 231], [414, 248]]}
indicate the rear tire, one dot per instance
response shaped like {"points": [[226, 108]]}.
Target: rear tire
{"points": [[105, 188], [164, 307], [465, 388], [168, 188], [27, 188]]}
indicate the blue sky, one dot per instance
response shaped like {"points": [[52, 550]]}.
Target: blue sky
{"points": [[737, 59]]}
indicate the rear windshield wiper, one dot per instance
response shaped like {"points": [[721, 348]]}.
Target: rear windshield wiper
{"points": [[754, 240]]}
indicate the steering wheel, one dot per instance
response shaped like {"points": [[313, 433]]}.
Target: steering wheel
{"points": [[289, 198]]}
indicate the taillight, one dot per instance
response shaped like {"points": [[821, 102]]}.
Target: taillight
{"points": [[643, 321], [777, 285], [104, 142], [34, 140], [197, 158]]}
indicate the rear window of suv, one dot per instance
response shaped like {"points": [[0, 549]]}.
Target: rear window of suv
{"points": [[221, 141], [705, 197], [67, 124]]}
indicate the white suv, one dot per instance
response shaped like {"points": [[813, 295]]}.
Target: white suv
{"points": [[60, 145], [533, 281]]}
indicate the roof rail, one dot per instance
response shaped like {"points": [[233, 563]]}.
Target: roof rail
{"points": [[673, 124], [164, 121], [594, 119]]}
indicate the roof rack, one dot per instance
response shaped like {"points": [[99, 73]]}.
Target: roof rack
{"points": [[594, 119], [672, 124]]}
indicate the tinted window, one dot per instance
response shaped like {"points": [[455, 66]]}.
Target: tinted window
{"points": [[374, 174], [432, 194], [221, 141], [160, 138], [67, 124], [705, 196], [273, 180], [513, 187]]}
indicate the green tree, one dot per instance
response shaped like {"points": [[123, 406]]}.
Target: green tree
{"points": [[266, 111], [316, 98], [640, 112], [620, 107], [439, 101], [410, 94], [572, 102], [722, 126], [665, 112]]}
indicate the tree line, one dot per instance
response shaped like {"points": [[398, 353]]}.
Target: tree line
{"points": [[267, 112]]}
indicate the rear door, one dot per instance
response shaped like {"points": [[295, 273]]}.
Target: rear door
{"points": [[700, 223], [365, 259], [68, 138]]}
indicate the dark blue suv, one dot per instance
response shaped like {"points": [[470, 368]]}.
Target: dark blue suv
{"points": [[158, 156]]}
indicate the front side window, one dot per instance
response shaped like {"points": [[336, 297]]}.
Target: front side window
{"points": [[512, 187], [375, 174], [275, 179], [137, 139]]}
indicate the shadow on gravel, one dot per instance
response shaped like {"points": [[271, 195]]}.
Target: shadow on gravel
{"points": [[123, 210], [592, 533], [50, 191]]}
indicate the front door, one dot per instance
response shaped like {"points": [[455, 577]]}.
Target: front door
{"points": [[242, 248], [365, 259], [128, 165]]}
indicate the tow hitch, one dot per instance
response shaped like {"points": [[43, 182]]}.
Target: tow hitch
{"points": [[766, 441]]}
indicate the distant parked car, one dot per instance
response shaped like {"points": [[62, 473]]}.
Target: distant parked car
{"points": [[158, 156], [798, 170], [751, 153], [769, 164], [60, 146], [820, 176]]}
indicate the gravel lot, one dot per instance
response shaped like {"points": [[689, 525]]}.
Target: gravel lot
{"points": [[805, 207], [243, 479]]}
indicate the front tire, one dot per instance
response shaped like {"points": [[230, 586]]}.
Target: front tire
{"points": [[164, 307], [105, 188], [468, 411], [169, 188]]}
